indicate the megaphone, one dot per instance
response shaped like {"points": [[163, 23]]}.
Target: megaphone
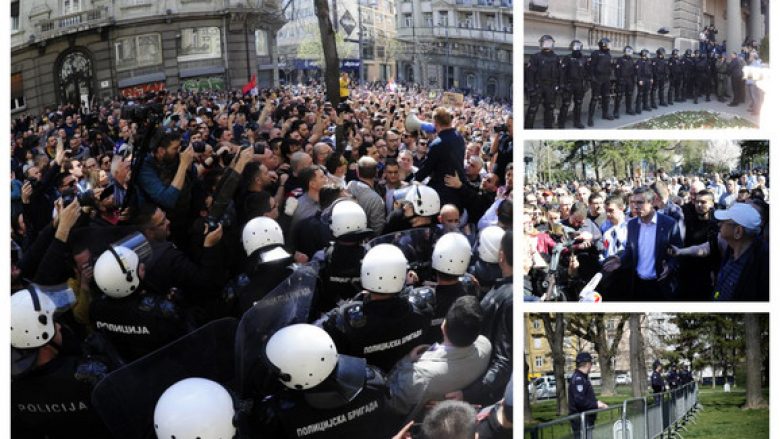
{"points": [[414, 124]]}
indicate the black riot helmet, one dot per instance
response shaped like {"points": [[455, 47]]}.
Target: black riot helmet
{"points": [[576, 45], [675, 52], [660, 52], [644, 53], [628, 50], [604, 43], [687, 53], [546, 42]]}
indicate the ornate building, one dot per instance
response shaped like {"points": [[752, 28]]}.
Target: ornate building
{"points": [[86, 50]]}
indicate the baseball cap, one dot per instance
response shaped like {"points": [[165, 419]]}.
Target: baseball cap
{"points": [[584, 357], [741, 213]]}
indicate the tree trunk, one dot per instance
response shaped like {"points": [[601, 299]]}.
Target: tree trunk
{"points": [[527, 409], [754, 398], [605, 359], [555, 336], [636, 346], [329, 50], [643, 384]]}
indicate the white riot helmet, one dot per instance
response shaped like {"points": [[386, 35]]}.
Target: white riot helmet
{"points": [[195, 407], [261, 232], [424, 199], [116, 272], [490, 243], [383, 269], [32, 319], [304, 355], [452, 254], [347, 217]]}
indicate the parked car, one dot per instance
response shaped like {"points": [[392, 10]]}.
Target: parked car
{"points": [[543, 387], [622, 379]]}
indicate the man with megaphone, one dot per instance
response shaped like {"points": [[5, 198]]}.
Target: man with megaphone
{"points": [[445, 157]]}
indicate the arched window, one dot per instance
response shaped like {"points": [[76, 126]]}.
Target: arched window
{"points": [[74, 78]]}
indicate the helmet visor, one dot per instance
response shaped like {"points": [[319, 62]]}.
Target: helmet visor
{"points": [[138, 243], [548, 44], [629, 51], [62, 295], [576, 46]]}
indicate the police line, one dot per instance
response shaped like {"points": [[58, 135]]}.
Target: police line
{"points": [[664, 413]]}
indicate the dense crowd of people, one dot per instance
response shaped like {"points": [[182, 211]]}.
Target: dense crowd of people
{"points": [[709, 71], [661, 238], [139, 220]]}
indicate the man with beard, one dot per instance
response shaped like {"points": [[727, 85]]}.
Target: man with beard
{"points": [[696, 275]]}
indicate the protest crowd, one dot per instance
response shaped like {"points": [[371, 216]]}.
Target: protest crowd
{"points": [[660, 238], [141, 221]]}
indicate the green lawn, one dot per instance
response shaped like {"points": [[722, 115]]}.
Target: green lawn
{"points": [[722, 417], [693, 120]]}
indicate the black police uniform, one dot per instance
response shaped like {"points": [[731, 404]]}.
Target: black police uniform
{"points": [[137, 324], [675, 79], [689, 67], [292, 414], [581, 398], [644, 74], [660, 78], [703, 78], [445, 296], [339, 275], [674, 379], [258, 280], [600, 67], [657, 383], [626, 78], [573, 83], [381, 331], [543, 76]]}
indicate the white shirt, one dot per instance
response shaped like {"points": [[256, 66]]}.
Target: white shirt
{"points": [[645, 264], [615, 239]]}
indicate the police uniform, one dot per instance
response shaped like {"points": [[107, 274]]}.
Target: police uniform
{"points": [[660, 78], [581, 398], [445, 296], [644, 75], [675, 78], [573, 77], [381, 331], [600, 68], [657, 383], [295, 414], [689, 67], [626, 77], [543, 76], [339, 275], [702, 82], [673, 378]]}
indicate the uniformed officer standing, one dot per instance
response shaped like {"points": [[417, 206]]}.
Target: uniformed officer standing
{"points": [[626, 78], [573, 83], [689, 67], [657, 381], [673, 378], [723, 77], [581, 395], [380, 324], [644, 81], [660, 77], [685, 376], [675, 77], [600, 67], [702, 82], [543, 76]]}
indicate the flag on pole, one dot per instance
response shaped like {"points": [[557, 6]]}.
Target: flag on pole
{"points": [[250, 85]]}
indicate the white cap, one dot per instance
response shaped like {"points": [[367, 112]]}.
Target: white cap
{"points": [[741, 213]]}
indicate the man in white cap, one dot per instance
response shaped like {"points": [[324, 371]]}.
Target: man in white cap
{"points": [[744, 275]]}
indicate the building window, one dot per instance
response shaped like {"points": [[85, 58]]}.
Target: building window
{"points": [[444, 18], [408, 20], [368, 52], [466, 19], [138, 51], [380, 51], [537, 340], [610, 12], [428, 19], [261, 43], [537, 324], [71, 6], [14, 16], [539, 361], [200, 43], [17, 92]]}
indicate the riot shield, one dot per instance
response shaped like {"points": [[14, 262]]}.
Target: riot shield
{"points": [[287, 304], [416, 245], [126, 398], [97, 239]]}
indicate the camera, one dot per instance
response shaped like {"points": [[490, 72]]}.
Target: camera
{"points": [[85, 199], [213, 222], [500, 128], [199, 146], [34, 183]]}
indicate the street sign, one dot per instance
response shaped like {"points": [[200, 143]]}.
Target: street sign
{"points": [[347, 22]]}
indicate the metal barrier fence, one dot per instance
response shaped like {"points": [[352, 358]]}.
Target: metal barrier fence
{"points": [[660, 415]]}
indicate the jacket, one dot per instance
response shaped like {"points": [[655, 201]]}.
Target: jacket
{"points": [[445, 157], [667, 233], [371, 202]]}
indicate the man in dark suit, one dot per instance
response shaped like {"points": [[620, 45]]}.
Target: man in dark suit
{"points": [[445, 157], [646, 255]]}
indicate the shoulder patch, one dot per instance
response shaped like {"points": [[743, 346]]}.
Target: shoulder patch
{"points": [[355, 315]]}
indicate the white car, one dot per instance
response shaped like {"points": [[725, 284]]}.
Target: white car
{"points": [[622, 379], [543, 387]]}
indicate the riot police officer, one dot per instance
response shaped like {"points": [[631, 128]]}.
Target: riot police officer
{"points": [[340, 261], [657, 381], [673, 379], [195, 407], [486, 268], [573, 83], [325, 394], [675, 77], [543, 78], [644, 81], [135, 321], [51, 382], [626, 77], [660, 77], [689, 67], [380, 324], [581, 395], [600, 66], [703, 78]]}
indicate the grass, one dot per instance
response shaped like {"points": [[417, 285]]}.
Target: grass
{"points": [[693, 120], [723, 415]]}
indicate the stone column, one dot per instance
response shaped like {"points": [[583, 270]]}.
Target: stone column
{"points": [[733, 25], [756, 23]]}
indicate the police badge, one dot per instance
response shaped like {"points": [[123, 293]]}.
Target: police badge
{"points": [[580, 387]]}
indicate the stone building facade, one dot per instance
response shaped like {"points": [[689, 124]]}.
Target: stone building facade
{"points": [[88, 50], [456, 44]]}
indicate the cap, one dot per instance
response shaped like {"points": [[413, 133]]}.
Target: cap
{"points": [[743, 214], [584, 357], [656, 363]]}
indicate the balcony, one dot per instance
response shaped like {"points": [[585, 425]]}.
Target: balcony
{"points": [[70, 23]]}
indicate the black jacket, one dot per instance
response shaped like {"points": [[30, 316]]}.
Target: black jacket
{"points": [[445, 157]]}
